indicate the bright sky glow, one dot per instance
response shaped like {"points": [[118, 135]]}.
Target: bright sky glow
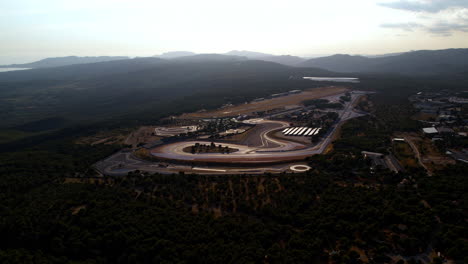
{"points": [[46, 28]]}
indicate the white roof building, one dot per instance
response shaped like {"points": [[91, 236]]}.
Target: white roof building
{"points": [[430, 130]]}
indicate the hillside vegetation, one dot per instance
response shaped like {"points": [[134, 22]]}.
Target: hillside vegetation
{"points": [[423, 62], [145, 86]]}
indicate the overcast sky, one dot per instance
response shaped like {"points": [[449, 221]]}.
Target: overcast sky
{"points": [[31, 29]]}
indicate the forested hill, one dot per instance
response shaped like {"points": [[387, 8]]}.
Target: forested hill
{"points": [[54, 209], [64, 61], [127, 87], [423, 62], [81, 71]]}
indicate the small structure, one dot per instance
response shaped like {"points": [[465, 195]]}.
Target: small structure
{"points": [[232, 131], [278, 95], [295, 91], [458, 100], [430, 130], [385, 161], [174, 131], [445, 130], [459, 155]]}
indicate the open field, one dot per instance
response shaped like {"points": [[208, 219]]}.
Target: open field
{"points": [[8, 135], [405, 154], [116, 136], [268, 104], [144, 134], [424, 116], [426, 153]]}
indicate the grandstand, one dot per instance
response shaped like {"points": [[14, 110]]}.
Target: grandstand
{"points": [[300, 131]]}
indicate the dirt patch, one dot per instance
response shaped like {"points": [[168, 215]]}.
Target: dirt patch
{"points": [[195, 210], [405, 155], [424, 117], [142, 135], [87, 180], [362, 253], [117, 136], [269, 104], [241, 136], [77, 209], [143, 153], [335, 136]]}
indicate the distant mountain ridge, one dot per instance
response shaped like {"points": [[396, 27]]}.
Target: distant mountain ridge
{"points": [[234, 55], [175, 54], [284, 59], [126, 87], [83, 71], [210, 57], [422, 62], [248, 54], [64, 61]]}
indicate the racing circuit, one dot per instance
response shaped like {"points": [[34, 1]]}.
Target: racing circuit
{"points": [[282, 151], [261, 152]]}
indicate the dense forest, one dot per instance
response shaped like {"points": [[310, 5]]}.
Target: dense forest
{"points": [[55, 210], [143, 89]]}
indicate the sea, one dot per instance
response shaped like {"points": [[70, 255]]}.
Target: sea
{"points": [[13, 69]]}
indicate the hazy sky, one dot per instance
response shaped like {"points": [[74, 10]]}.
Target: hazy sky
{"points": [[43, 28]]}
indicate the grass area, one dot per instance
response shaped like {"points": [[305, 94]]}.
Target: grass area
{"points": [[115, 136], [424, 117], [432, 157], [405, 154], [8, 135], [143, 153], [206, 148]]}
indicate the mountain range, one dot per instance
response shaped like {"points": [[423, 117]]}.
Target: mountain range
{"points": [[422, 62], [64, 61], [119, 86], [243, 54], [133, 88]]}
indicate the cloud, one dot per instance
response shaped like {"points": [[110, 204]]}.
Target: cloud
{"points": [[446, 29], [443, 29], [404, 26], [437, 17], [431, 6]]}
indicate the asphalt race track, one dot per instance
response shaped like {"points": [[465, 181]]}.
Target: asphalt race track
{"points": [[272, 155], [269, 151]]}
